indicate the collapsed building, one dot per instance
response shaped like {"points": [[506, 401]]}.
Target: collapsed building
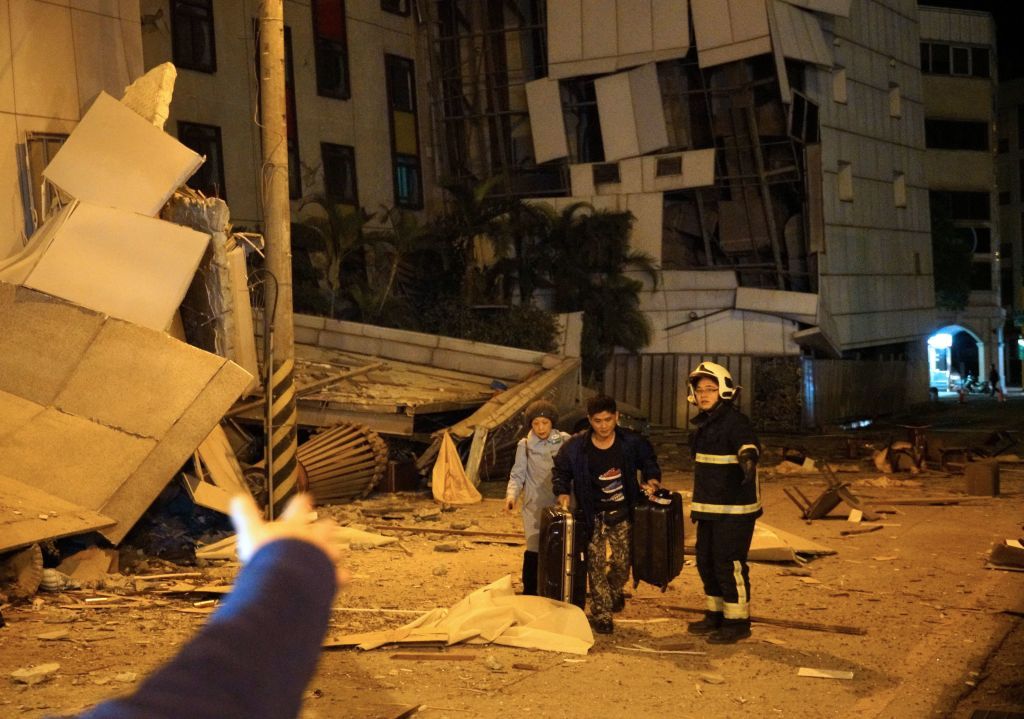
{"points": [[773, 155]]}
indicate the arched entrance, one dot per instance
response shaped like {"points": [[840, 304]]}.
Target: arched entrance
{"points": [[954, 353]]}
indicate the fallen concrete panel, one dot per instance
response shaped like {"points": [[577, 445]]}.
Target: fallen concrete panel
{"points": [[28, 515], [106, 412], [123, 264], [115, 158], [150, 95]]}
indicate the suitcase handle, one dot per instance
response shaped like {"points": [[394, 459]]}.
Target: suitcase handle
{"points": [[660, 496]]}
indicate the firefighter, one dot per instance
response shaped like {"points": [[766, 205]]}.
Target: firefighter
{"points": [[726, 502]]}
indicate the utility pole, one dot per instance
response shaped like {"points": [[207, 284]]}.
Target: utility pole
{"points": [[282, 465]]}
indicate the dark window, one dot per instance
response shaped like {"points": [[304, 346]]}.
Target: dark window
{"points": [[956, 135], [205, 140], [961, 61], [981, 277], [962, 205], [606, 173], [940, 59], [979, 238], [339, 173], [1003, 146], [926, 57], [581, 120], [192, 38], [398, 7], [331, 49], [408, 186], [803, 120], [1020, 127], [401, 90], [1004, 198], [668, 166], [980, 62]]}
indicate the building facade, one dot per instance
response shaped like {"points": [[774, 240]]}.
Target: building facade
{"points": [[960, 90], [47, 81], [357, 130], [1010, 172]]}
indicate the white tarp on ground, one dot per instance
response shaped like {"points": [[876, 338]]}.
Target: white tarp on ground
{"points": [[494, 614]]}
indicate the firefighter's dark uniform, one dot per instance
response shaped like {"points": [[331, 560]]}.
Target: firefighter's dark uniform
{"points": [[724, 508]]}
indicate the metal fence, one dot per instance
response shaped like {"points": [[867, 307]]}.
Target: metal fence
{"points": [[779, 393]]}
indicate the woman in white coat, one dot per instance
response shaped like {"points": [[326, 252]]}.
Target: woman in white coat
{"points": [[530, 479]]}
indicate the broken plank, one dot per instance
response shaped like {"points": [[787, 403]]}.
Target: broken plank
{"points": [[421, 656], [459, 532], [860, 530], [824, 673], [792, 624]]}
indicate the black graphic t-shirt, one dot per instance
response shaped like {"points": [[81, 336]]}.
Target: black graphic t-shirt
{"points": [[606, 474]]}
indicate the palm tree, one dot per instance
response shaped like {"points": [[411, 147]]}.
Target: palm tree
{"points": [[587, 256], [340, 230]]}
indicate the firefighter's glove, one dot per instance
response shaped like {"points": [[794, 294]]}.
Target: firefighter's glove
{"points": [[748, 463]]}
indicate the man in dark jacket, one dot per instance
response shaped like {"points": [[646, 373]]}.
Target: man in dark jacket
{"points": [[599, 466], [726, 502]]}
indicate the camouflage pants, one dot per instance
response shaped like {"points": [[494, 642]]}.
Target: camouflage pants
{"points": [[607, 574]]}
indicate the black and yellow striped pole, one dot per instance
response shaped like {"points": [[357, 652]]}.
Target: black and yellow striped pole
{"points": [[282, 468]]}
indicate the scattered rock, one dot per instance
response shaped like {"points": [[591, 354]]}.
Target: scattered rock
{"points": [[493, 664], [427, 515], [440, 571], [459, 525], [126, 677], [446, 547], [54, 635], [709, 678], [36, 674]]}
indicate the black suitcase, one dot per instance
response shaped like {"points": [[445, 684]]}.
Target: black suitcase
{"points": [[658, 539], [561, 562]]}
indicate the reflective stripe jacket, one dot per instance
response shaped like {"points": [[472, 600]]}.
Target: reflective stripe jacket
{"points": [[718, 490]]}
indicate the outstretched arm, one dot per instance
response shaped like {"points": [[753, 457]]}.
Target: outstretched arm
{"points": [[259, 650]]}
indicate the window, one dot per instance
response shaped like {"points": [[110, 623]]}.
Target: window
{"points": [[803, 120], [331, 49], [981, 277], [408, 192], [1020, 127], [956, 135], [192, 37], [961, 61], [962, 205], [606, 173], [398, 7], [40, 148], [205, 140], [839, 85], [895, 101], [979, 239], [1005, 198], [581, 120], [980, 62], [899, 189], [1003, 146], [942, 59], [668, 166], [845, 182], [400, 76], [339, 162]]}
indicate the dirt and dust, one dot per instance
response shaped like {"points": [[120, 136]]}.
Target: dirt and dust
{"points": [[943, 634]]}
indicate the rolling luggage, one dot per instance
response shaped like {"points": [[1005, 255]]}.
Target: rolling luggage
{"points": [[658, 539], [561, 562]]}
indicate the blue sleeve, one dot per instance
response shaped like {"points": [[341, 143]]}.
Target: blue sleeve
{"points": [[255, 656], [517, 477]]}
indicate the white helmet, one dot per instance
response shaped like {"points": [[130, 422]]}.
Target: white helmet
{"points": [[726, 387]]}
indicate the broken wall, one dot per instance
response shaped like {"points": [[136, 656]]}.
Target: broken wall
{"points": [[55, 74]]}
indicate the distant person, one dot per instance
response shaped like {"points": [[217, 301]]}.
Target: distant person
{"points": [[726, 502], [254, 657], [599, 465], [530, 479], [995, 388]]}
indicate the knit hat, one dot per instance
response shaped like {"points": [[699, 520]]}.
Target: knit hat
{"points": [[541, 408]]}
